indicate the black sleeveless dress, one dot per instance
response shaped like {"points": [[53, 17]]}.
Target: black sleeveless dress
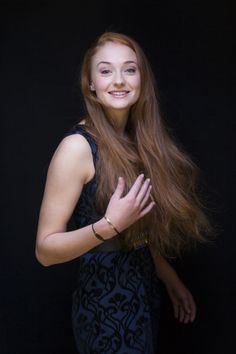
{"points": [[116, 305]]}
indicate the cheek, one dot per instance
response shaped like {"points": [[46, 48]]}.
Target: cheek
{"points": [[101, 84], [137, 86], [136, 83]]}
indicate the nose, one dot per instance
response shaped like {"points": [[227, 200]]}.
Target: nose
{"points": [[119, 79]]}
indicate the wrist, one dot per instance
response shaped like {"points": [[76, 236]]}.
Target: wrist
{"points": [[164, 270], [111, 224], [104, 229], [170, 278]]}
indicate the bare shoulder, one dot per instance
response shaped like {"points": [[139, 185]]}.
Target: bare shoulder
{"points": [[75, 143], [71, 166], [74, 153]]}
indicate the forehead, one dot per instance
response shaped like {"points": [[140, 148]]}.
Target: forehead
{"points": [[114, 53]]}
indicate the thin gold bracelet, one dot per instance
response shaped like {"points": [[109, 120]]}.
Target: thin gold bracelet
{"points": [[110, 223], [97, 235]]}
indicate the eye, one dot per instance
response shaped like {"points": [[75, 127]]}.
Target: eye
{"points": [[105, 71], [131, 70]]}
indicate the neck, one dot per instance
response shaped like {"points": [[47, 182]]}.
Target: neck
{"points": [[119, 119]]}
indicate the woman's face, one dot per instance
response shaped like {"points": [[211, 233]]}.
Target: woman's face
{"points": [[115, 76]]}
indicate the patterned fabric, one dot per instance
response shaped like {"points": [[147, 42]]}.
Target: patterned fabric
{"points": [[116, 306]]}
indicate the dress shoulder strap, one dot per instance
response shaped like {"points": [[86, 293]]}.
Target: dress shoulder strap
{"points": [[81, 129]]}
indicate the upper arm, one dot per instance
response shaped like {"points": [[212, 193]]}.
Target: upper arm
{"points": [[69, 169]]}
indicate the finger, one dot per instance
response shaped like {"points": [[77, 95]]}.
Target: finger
{"points": [[188, 308], [147, 209], [120, 187], [187, 305], [176, 310], [192, 316], [186, 318], [193, 311], [143, 191], [181, 314], [191, 307], [145, 199], [136, 186]]}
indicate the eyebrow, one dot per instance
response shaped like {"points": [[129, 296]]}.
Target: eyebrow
{"points": [[126, 62]]}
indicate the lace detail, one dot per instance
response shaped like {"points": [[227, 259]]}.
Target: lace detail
{"points": [[116, 308]]}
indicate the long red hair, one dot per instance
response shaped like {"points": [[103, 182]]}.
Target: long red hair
{"points": [[178, 220]]}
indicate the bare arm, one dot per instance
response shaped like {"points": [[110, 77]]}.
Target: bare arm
{"points": [[164, 270], [71, 167], [182, 300]]}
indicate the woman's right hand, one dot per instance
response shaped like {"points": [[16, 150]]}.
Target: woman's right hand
{"points": [[124, 211]]}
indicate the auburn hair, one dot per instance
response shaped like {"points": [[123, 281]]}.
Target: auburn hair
{"points": [[178, 220]]}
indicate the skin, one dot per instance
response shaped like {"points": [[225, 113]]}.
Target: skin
{"points": [[122, 73], [72, 166]]}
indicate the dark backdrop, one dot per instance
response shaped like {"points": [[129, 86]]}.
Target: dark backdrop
{"points": [[189, 44]]}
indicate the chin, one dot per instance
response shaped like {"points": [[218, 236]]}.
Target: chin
{"points": [[119, 107]]}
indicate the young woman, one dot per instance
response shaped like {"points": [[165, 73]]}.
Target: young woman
{"points": [[132, 192]]}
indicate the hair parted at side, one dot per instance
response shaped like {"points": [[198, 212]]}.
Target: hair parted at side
{"points": [[178, 221]]}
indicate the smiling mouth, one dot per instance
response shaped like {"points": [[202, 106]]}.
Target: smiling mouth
{"points": [[119, 94]]}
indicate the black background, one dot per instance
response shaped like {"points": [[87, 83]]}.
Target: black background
{"points": [[190, 47]]}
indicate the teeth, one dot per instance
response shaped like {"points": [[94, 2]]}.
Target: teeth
{"points": [[119, 93]]}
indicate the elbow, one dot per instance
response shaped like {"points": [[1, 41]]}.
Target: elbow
{"points": [[41, 258]]}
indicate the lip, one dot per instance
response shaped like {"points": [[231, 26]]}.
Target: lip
{"points": [[118, 91], [119, 94]]}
